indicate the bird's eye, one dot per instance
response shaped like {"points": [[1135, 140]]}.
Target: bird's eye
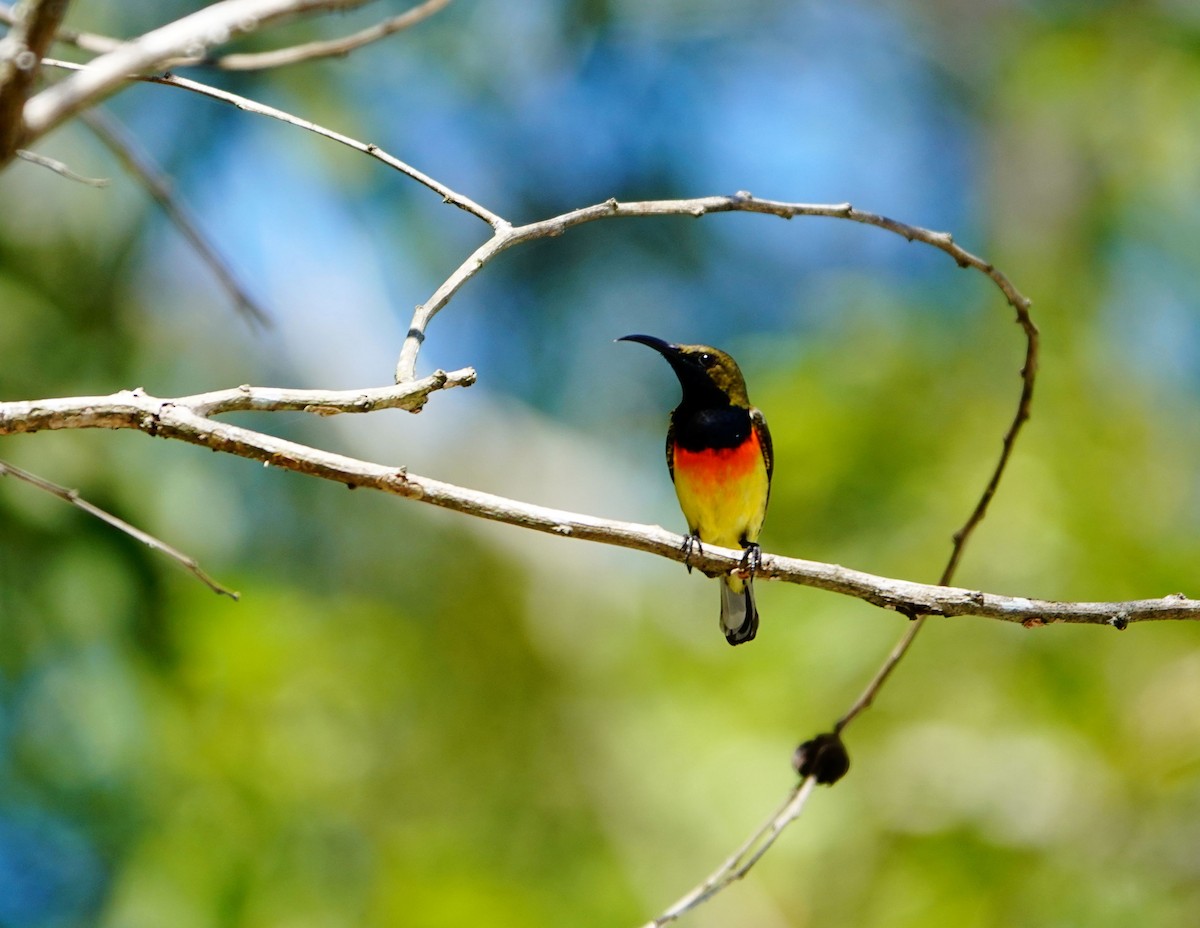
{"points": [[706, 359]]}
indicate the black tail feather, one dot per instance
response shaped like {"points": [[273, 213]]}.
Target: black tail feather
{"points": [[739, 615]]}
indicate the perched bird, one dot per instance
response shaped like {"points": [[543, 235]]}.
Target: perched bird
{"points": [[719, 455]]}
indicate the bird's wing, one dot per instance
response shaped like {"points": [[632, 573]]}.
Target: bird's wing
{"points": [[759, 424], [671, 447]]}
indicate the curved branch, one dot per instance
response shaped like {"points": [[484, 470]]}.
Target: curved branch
{"points": [[507, 236], [1024, 403]]}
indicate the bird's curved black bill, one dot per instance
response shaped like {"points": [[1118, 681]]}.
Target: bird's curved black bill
{"points": [[658, 344]]}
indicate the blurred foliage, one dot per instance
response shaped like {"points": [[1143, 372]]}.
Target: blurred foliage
{"points": [[413, 719]]}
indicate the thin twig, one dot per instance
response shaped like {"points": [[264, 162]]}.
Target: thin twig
{"points": [[58, 167], [73, 497], [738, 864], [250, 106], [330, 47], [871, 690], [238, 61], [1024, 403], [156, 182]]}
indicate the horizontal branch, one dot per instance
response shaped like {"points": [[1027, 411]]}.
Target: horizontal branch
{"points": [[186, 419]]}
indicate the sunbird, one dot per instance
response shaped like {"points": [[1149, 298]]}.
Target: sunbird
{"points": [[720, 459]]}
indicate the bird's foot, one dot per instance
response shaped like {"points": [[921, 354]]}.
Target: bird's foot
{"points": [[751, 560], [691, 543]]}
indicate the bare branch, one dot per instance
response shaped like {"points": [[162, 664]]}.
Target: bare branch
{"points": [[260, 109], [73, 497], [871, 690], [187, 37], [185, 419], [331, 47], [58, 167], [133, 408], [158, 185], [507, 236], [33, 26]]}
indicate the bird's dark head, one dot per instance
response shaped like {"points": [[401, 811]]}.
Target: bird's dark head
{"points": [[708, 376]]}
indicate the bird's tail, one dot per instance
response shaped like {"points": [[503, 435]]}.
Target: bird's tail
{"points": [[739, 615]]}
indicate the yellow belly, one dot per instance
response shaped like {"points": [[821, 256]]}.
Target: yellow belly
{"points": [[723, 494]]}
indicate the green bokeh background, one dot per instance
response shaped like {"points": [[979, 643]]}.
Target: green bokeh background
{"points": [[413, 719]]}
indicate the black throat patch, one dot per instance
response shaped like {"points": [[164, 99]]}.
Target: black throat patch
{"points": [[705, 429]]}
